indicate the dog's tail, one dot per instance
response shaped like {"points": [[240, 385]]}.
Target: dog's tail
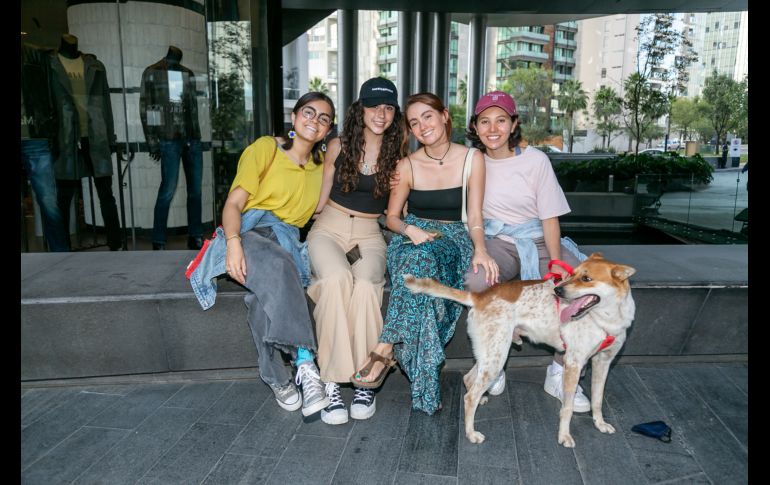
{"points": [[434, 288]]}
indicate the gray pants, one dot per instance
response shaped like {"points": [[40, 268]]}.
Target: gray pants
{"points": [[278, 314], [506, 256]]}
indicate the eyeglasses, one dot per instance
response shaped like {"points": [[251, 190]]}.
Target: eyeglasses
{"points": [[310, 113]]}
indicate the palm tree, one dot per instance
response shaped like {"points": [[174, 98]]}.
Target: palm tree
{"points": [[607, 105], [572, 98], [317, 84]]}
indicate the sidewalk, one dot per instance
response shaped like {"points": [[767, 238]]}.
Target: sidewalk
{"points": [[226, 428]]}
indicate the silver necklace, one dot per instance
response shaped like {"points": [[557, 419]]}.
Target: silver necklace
{"points": [[367, 168], [440, 160]]}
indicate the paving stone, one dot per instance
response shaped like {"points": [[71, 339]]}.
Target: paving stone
{"points": [[389, 421], [632, 402], [239, 403], [241, 470], [133, 457], [476, 474], [737, 373], [716, 450], [194, 455], [369, 460], [412, 478], [198, 395], [308, 460], [57, 424], [727, 401], [497, 451], [73, 455], [37, 402], [269, 431], [129, 411], [535, 415], [430, 444]]}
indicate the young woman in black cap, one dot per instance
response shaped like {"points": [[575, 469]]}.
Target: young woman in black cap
{"points": [[347, 249]]}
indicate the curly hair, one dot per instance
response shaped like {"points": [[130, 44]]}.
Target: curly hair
{"points": [[393, 148], [471, 134], [434, 102], [301, 102]]}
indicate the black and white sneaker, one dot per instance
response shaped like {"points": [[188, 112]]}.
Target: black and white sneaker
{"points": [[335, 412], [364, 404]]}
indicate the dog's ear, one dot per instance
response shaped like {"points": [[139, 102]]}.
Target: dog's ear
{"points": [[596, 255], [622, 272]]}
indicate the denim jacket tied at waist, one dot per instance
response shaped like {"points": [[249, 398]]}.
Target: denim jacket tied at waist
{"points": [[212, 262], [523, 236]]}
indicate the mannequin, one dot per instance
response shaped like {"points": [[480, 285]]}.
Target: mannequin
{"points": [[85, 136], [168, 109], [38, 128]]}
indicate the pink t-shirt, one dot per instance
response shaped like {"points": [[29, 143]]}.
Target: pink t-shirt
{"points": [[521, 188]]}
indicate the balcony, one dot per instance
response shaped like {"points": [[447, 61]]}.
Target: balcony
{"points": [[570, 61], [387, 40], [525, 55], [560, 77], [562, 42], [528, 36]]}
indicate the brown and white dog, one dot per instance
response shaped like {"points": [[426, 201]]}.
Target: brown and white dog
{"points": [[586, 315]]}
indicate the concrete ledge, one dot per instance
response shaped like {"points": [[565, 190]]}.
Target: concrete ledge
{"points": [[107, 314]]}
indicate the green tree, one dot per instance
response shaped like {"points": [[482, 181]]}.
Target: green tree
{"points": [[607, 106], [571, 98], [531, 88], [684, 114], [664, 56], [462, 90], [725, 100], [317, 84], [643, 106], [457, 113]]}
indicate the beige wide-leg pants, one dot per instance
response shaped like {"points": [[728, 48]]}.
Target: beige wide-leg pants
{"points": [[348, 298]]}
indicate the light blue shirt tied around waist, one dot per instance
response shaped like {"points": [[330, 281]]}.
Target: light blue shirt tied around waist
{"points": [[213, 263], [523, 236]]}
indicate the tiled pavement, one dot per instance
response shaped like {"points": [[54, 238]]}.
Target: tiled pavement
{"points": [[228, 430]]}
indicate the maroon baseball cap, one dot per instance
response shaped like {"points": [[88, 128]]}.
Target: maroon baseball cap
{"points": [[499, 99]]}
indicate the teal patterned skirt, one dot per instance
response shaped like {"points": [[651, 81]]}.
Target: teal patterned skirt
{"points": [[420, 325]]}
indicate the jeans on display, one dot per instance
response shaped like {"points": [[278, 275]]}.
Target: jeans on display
{"points": [[36, 157], [192, 162], [109, 209]]}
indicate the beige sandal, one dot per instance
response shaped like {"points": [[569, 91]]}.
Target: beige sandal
{"points": [[373, 357]]}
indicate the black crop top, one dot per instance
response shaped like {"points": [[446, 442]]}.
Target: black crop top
{"points": [[441, 204], [361, 198]]}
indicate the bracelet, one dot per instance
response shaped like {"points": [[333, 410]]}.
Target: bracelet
{"points": [[476, 227], [404, 225], [233, 236]]}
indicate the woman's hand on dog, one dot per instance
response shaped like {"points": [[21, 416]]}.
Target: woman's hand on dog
{"points": [[419, 236], [235, 262], [483, 259]]}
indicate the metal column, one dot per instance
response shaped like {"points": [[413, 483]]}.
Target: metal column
{"points": [[439, 47], [421, 49], [476, 62], [404, 78], [267, 73], [347, 68]]}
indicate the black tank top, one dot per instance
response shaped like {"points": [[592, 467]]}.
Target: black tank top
{"points": [[441, 204], [361, 198]]}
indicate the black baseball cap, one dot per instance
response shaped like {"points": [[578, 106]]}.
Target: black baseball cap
{"points": [[378, 90]]}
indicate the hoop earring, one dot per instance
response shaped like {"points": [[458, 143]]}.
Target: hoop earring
{"points": [[292, 134]]}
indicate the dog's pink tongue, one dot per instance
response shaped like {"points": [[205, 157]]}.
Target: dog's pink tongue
{"points": [[571, 309]]}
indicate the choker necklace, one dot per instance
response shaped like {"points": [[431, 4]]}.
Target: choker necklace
{"points": [[440, 160]]}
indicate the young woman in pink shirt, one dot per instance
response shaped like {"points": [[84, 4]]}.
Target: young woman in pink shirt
{"points": [[522, 205]]}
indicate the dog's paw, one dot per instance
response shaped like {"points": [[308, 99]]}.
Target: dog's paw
{"points": [[483, 400], [475, 437], [604, 427], [567, 440]]}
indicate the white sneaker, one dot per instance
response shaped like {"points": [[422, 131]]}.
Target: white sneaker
{"points": [[553, 386], [498, 385], [313, 393], [335, 412], [364, 404]]}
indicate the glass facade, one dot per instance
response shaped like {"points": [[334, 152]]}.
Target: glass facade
{"points": [[148, 109]]}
